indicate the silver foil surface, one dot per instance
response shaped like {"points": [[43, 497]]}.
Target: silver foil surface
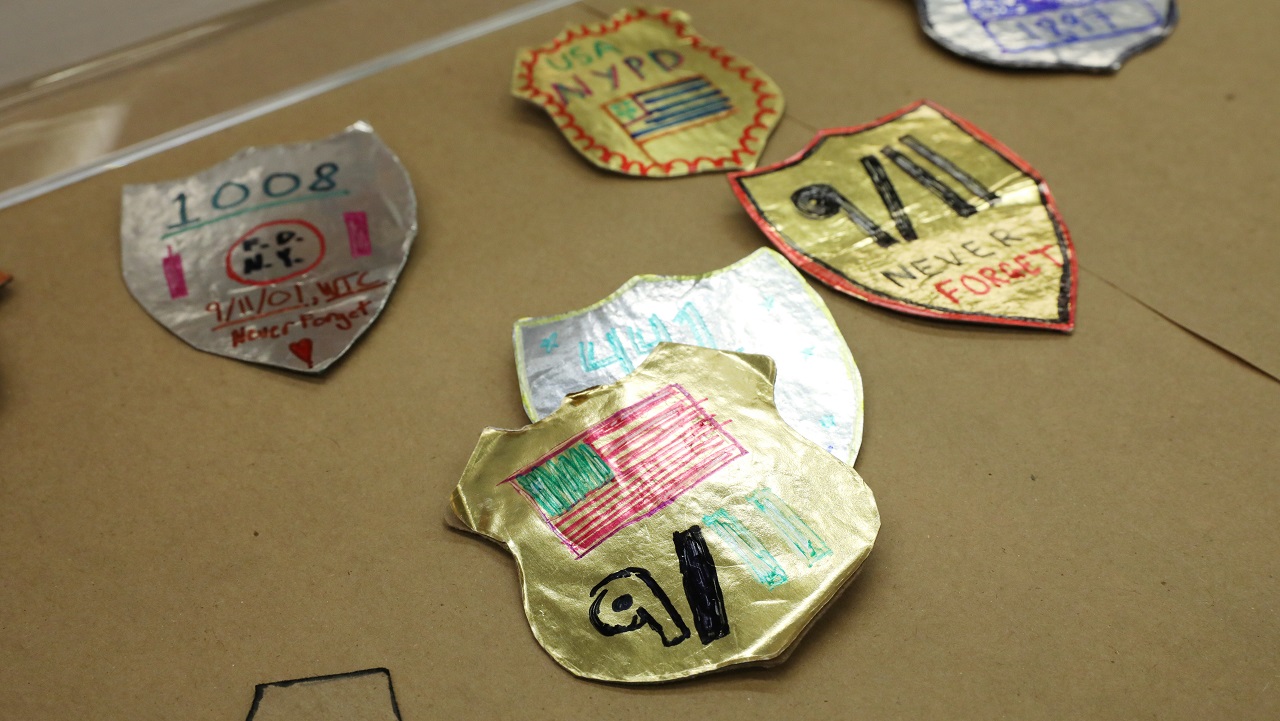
{"points": [[283, 255], [758, 305], [1093, 35]]}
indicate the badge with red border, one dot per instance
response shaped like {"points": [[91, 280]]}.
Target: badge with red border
{"points": [[643, 94], [924, 213]]}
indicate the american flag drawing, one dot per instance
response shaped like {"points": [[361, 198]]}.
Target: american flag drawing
{"points": [[626, 467], [668, 108]]}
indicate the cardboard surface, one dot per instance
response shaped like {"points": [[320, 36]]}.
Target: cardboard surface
{"points": [[1157, 169], [1074, 526]]}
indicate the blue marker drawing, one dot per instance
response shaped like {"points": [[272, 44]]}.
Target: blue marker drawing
{"points": [[789, 523], [760, 305], [587, 353], [670, 108], [1021, 25], [807, 352], [827, 421], [763, 565]]}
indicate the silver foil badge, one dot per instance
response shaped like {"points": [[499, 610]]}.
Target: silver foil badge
{"points": [[1062, 34], [758, 305], [282, 255]]}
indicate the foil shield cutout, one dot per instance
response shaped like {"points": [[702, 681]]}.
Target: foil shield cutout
{"points": [[671, 523], [923, 213], [643, 94], [757, 305], [1092, 35], [282, 256]]}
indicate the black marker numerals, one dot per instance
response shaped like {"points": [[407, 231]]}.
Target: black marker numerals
{"points": [[631, 599], [821, 201]]}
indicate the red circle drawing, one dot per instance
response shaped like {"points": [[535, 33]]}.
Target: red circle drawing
{"points": [[279, 254]]}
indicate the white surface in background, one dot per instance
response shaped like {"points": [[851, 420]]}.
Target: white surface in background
{"points": [[208, 126], [38, 37]]}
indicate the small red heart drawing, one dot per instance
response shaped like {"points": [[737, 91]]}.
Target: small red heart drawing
{"points": [[302, 349]]}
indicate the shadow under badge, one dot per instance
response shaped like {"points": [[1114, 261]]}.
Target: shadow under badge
{"points": [[1089, 35], [671, 523], [923, 213], [643, 94], [355, 696]]}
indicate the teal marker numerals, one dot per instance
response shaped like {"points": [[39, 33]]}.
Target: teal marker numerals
{"points": [[276, 188]]}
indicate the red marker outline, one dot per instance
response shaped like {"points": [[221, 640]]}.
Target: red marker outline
{"points": [[836, 280]]}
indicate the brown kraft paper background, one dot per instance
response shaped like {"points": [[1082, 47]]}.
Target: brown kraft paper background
{"points": [[1074, 526]]}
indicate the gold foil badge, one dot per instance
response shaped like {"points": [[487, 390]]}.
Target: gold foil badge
{"points": [[923, 213], [671, 523], [643, 94]]}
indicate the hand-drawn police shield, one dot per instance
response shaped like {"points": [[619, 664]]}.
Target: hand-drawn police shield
{"points": [[672, 523], [282, 255], [923, 213], [643, 94], [1096, 35], [758, 305]]}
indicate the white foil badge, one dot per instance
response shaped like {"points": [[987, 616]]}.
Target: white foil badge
{"points": [[1058, 34], [282, 255], [758, 305]]}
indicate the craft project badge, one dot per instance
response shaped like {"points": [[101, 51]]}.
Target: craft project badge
{"points": [[671, 523], [282, 256], [1096, 35], [923, 213], [758, 305], [643, 94]]}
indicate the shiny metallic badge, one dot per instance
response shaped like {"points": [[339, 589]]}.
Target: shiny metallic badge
{"points": [[758, 305], [282, 255], [671, 523], [924, 213], [1058, 34], [644, 94]]}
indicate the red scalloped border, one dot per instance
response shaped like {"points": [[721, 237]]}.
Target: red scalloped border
{"points": [[834, 279], [587, 144]]}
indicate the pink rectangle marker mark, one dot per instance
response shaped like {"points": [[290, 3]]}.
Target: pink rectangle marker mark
{"points": [[174, 276], [358, 233]]}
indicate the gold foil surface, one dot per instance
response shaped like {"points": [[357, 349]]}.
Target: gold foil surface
{"points": [[671, 523], [921, 212], [643, 94]]}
